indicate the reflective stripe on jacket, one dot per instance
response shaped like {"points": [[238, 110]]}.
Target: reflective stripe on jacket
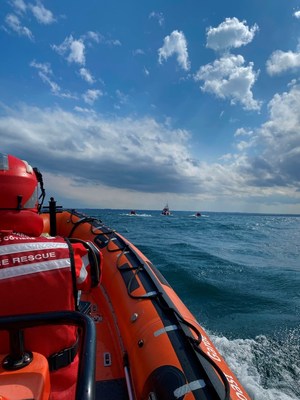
{"points": [[36, 276]]}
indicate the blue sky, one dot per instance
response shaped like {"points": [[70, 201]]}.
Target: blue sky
{"points": [[130, 104]]}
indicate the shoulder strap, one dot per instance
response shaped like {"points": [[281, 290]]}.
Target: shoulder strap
{"points": [[73, 270]]}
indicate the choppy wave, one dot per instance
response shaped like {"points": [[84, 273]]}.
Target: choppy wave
{"points": [[266, 367]]}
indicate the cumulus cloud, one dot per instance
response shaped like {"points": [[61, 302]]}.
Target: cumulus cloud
{"points": [[281, 136], [246, 139], [72, 49], [276, 145], [297, 14], [282, 61], [231, 33], [85, 144], [42, 15], [229, 78], [175, 44], [76, 54], [14, 24], [19, 6], [20, 11], [88, 152]]}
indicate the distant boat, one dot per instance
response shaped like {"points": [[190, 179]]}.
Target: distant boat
{"points": [[132, 212], [197, 214], [166, 210]]}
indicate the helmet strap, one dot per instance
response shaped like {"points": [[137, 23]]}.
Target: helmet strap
{"points": [[39, 178], [19, 199]]}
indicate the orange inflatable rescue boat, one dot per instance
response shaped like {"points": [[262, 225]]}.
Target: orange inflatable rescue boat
{"points": [[136, 338]]}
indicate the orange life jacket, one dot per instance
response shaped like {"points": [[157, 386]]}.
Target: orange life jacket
{"points": [[36, 276]]}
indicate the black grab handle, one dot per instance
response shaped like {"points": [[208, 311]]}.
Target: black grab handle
{"points": [[86, 373]]}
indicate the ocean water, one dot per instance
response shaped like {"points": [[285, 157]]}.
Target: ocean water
{"points": [[239, 274]]}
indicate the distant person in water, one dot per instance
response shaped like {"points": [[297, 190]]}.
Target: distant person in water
{"points": [[38, 273]]}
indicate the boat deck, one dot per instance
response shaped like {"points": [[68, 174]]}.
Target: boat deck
{"points": [[110, 375]]}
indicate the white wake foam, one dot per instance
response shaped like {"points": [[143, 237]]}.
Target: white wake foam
{"points": [[263, 366]]}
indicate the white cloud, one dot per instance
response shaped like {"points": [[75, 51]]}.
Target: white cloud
{"points": [[275, 161], [46, 75], [55, 88], [231, 33], [43, 67], [19, 6], [243, 145], [86, 75], [13, 22], [281, 61], [77, 49], [175, 44], [249, 139], [95, 36], [297, 14], [243, 132], [138, 52], [99, 38], [78, 146], [84, 110], [42, 15], [229, 78], [281, 132], [72, 49], [91, 95], [140, 148]]}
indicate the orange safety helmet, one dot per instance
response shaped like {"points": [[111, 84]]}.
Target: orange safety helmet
{"points": [[19, 204]]}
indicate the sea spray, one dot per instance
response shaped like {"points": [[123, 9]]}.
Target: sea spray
{"points": [[266, 367]]}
